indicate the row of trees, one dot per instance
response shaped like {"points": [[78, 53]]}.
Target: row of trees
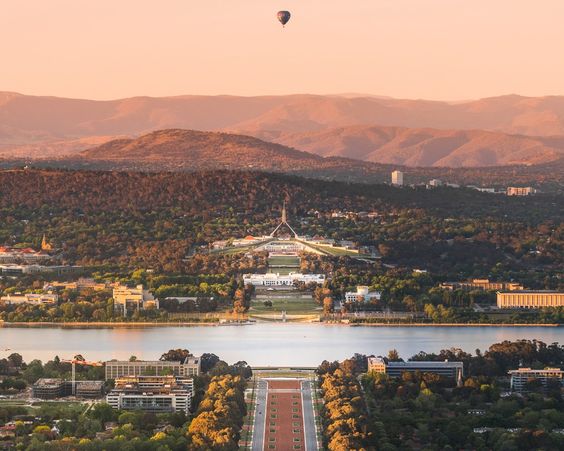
{"points": [[427, 411], [344, 411], [219, 419]]}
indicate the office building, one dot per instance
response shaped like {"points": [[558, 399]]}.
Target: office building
{"points": [[397, 178], [156, 394], [18, 270], [88, 389], [282, 280], [22, 255], [48, 388], [59, 388], [454, 370], [130, 299], [362, 294], [82, 283], [482, 284], [520, 191], [189, 367], [30, 298], [521, 376], [525, 299]]}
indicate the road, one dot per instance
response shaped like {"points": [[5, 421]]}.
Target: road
{"points": [[309, 417], [260, 416]]}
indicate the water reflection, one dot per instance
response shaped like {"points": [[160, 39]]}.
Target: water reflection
{"points": [[260, 344]]}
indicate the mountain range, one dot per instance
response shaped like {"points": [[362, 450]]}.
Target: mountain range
{"points": [[494, 131]]}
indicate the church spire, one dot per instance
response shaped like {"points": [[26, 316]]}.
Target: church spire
{"points": [[45, 245]]}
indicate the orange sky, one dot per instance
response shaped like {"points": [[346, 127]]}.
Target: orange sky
{"points": [[436, 49]]}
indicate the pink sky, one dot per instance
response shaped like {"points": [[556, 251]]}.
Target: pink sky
{"points": [[436, 49]]}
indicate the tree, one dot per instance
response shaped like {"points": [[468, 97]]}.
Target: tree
{"points": [[175, 355], [327, 305], [15, 360], [33, 371], [208, 361], [103, 412], [393, 355]]}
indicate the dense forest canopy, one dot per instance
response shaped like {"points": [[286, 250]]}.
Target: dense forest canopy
{"points": [[155, 220]]}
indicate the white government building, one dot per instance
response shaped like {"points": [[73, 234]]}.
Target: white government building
{"points": [[282, 280], [362, 294]]}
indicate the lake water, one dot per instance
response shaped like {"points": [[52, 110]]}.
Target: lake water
{"points": [[259, 344]]}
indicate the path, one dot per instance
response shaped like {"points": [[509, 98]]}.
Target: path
{"points": [[284, 416], [309, 417], [259, 422]]}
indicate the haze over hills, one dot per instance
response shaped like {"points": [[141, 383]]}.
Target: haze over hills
{"points": [[189, 150], [367, 127], [427, 147]]}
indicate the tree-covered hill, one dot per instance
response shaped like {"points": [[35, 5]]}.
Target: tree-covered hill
{"points": [[132, 217]]}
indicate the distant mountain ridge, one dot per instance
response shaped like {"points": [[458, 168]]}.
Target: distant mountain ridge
{"points": [[426, 147], [472, 133]]}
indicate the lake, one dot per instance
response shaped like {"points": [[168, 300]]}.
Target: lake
{"points": [[258, 344]]}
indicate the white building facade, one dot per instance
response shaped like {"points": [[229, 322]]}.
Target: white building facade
{"points": [[31, 298], [397, 178], [279, 280], [362, 294]]}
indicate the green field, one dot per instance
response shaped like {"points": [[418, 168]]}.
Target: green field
{"points": [[292, 306], [290, 264], [284, 261], [33, 409]]}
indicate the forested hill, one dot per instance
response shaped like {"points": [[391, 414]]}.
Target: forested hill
{"points": [[153, 220], [191, 149]]}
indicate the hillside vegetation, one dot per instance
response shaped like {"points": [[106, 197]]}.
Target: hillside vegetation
{"points": [[154, 220]]}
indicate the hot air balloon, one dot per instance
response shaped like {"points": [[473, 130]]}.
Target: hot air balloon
{"points": [[284, 17]]}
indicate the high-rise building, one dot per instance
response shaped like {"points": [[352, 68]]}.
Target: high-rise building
{"points": [[397, 178]]}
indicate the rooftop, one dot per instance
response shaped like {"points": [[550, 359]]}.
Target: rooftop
{"points": [[45, 382], [532, 291]]}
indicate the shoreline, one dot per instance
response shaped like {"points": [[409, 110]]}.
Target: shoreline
{"points": [[455, 325], [101, 325], [111, 325]]}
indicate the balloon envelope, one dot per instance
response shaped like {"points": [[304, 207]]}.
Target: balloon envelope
{"points": [[284, 17]]}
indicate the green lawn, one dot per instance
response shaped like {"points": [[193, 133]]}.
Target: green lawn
{"points": [[293, 306], [286, 261], [12, 403]]}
